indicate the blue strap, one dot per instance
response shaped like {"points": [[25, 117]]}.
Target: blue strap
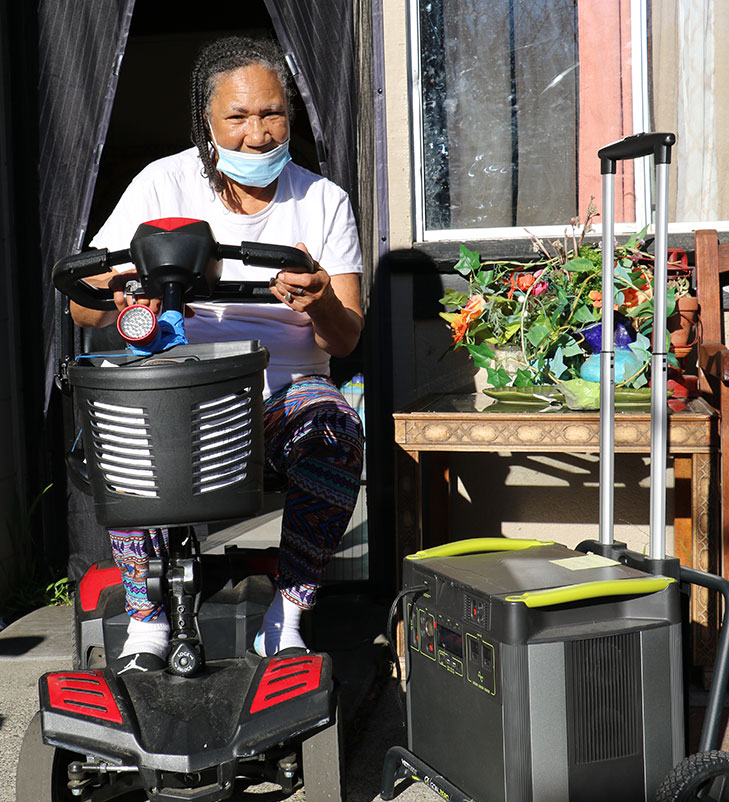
{"points": [[171, 332]]}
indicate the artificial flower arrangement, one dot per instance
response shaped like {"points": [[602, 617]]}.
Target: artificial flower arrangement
{"points": [[551, 308]]}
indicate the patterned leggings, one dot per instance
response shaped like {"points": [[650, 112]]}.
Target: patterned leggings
{"points": [[315, 439]]}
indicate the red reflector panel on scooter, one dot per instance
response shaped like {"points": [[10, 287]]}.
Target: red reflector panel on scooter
{"points": [[83, 692], [93, 582], [285, 678]]}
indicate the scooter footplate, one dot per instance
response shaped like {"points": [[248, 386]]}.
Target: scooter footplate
{"points": [[168, 723]]}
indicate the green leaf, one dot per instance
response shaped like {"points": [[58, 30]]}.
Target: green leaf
{"points": [[454, 298], [579, 265], [632, 243], [498, 377], [449, 317], [572, 348], [672, 361], [641, 347], [481, 354], [484, 278], [581, 394], [511, 329], [640, 380], [537, 333], [584, 314], [469, 262], [523, 378], [670, 301], [557, 366]]}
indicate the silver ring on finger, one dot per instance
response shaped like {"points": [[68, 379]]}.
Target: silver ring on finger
{"points": [[288, 298], [299, 291]]}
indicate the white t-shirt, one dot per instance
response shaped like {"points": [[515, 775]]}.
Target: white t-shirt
{"points": [[305, 208]]}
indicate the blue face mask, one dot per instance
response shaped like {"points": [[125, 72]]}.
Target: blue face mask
{"points": [[252, 169]]}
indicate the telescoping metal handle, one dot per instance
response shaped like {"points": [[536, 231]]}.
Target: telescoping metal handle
{"points": [[659, 146]]}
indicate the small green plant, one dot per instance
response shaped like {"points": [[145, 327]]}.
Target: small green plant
{"points": [[27, 583], [58, 594]]}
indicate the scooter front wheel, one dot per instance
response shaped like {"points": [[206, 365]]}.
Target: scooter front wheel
{"points": [[42, 774], [42, 769]]}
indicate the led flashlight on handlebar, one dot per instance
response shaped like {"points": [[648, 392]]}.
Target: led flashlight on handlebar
{"points": [[137, 324]]}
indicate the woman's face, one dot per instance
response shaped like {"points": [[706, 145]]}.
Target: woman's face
{"points": [[248, 111]]}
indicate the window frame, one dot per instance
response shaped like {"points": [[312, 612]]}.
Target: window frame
{"points": [[643, 170]]}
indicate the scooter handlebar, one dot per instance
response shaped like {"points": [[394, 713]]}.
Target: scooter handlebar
{"points": [[69, 273], [261, 255]]}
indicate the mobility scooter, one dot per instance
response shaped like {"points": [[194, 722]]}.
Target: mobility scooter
{"points": [[173, 437]]}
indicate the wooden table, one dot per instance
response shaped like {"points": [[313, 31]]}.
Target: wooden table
{"points": [[428, 431]]}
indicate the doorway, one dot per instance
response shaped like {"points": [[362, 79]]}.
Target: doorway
{"points": [[150, 119]]}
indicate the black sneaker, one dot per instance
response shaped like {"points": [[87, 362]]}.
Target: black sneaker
{"points": [[139, 661]]}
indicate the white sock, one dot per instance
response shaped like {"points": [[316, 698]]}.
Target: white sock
{"points": [[280, 627], [147, 636]]}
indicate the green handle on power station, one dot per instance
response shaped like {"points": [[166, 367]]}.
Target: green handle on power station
{"points": [[591, 590], [477, 545]]}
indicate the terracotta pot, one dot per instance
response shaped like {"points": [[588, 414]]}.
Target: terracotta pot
{"points": [[682, 325]]}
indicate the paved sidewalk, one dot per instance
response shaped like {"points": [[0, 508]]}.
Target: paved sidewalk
{"points": [[37, 643]]}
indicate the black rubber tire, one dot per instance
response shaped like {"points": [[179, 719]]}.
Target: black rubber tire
{"points": [[41, 775], [322, 763], [703, 776]]}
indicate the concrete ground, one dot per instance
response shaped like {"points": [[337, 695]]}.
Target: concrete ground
{"points": [[41, 642]]}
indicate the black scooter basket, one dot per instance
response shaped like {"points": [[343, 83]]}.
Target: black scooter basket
{"points": [[176, 438]]}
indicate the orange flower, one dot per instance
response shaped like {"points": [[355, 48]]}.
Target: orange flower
{"points": [[633, 297], [520, 281], [596, 297], [471, 311]]}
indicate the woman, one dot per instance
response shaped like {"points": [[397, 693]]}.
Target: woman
{"points": [[239, 178]]}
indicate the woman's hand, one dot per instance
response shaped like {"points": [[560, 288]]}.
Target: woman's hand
{"points": [[303, 292], [125, 294]]}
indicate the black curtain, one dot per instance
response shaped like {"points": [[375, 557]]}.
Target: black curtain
{"points": [[80, 48], [318, 37], [81, 45]]}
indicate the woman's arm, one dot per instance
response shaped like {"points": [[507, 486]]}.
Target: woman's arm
{"points": [[332, 302], [338, 319]]}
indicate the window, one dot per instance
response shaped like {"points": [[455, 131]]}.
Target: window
{"points": [[513, 98]]}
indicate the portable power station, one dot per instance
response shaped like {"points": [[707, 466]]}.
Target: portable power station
{"points": [[540, 674]]}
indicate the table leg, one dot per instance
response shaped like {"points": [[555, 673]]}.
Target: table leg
{"points": [[408, 506], [683, 513], [435, 500], [704, 557]]}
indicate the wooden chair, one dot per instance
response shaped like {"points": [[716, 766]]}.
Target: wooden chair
{"points": [[711, 261]]}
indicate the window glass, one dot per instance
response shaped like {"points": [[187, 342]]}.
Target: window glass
{"points": [[515, 97]]}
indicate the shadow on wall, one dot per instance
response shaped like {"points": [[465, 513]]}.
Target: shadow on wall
{"points": [[551, 496]]}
